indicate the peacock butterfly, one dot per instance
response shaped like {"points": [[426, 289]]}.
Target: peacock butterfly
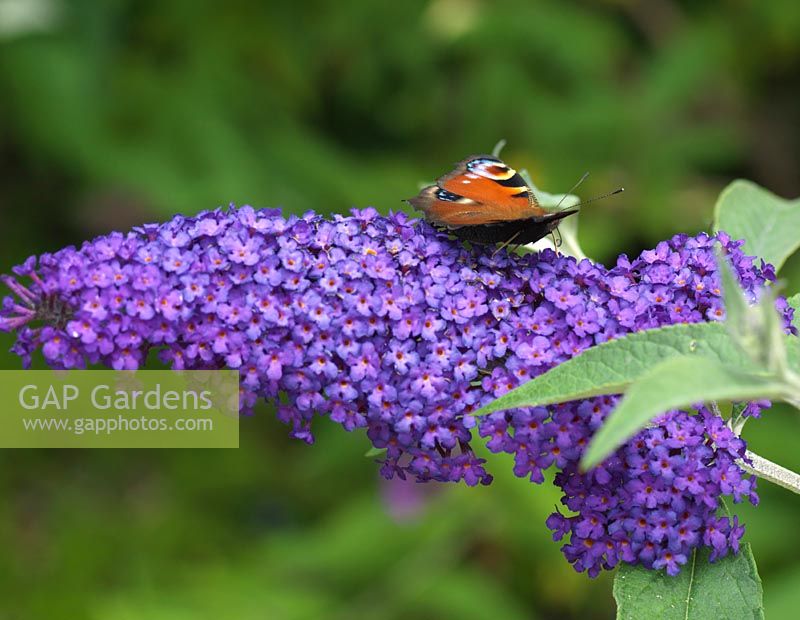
{"points": [[483, 200]]}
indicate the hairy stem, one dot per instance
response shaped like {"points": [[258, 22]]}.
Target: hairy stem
{"points": [[772, 472]]}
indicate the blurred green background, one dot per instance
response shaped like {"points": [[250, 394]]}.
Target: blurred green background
{"points": [[118, 112]]}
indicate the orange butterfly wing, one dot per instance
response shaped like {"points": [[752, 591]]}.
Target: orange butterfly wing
{"points": [[447, 209], [498, 187], [480, 190]]}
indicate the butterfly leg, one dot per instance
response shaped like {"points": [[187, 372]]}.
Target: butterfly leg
{"points": [[506, 243], [557, 240]]}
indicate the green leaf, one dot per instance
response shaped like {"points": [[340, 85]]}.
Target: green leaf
{"points": [[728, 589], [676, 383], [611, 367], [374, 452], [774, 352], [770, 225], [723, 509], [550, 202], [757, 329], [568, 230], [498, 148], [737, 310], [794, 302]]}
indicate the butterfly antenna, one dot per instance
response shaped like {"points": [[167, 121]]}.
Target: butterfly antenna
{"points": [[619, 190], [574, 187], [498, 147]]}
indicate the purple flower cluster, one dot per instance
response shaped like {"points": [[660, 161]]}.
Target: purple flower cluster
{"points": [[386, 324], [656, 498]]}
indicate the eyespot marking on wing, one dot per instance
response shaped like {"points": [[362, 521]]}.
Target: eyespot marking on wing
{"points": [[445, 196], [491, 169]]}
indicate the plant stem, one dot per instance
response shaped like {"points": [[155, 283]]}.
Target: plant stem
{"points": [[772, 472]]}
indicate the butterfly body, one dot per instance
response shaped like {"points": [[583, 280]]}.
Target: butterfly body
{"points": [[520, 232], [485, 201]]}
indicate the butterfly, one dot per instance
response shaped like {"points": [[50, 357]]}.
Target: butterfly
{"points": [[483, 200]]}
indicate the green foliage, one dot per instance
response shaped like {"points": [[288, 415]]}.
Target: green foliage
{"points": [[757, 329], [737, 310], [612, 367], [676, 383], [767, 223], [728, 589], [696, 357], [794, 302], [568, 228], [374, 452], [318, 572]]}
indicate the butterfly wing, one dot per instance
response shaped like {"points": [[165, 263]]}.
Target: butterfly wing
{"points": [[488, 180], [480, 190], [447, 209]]}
